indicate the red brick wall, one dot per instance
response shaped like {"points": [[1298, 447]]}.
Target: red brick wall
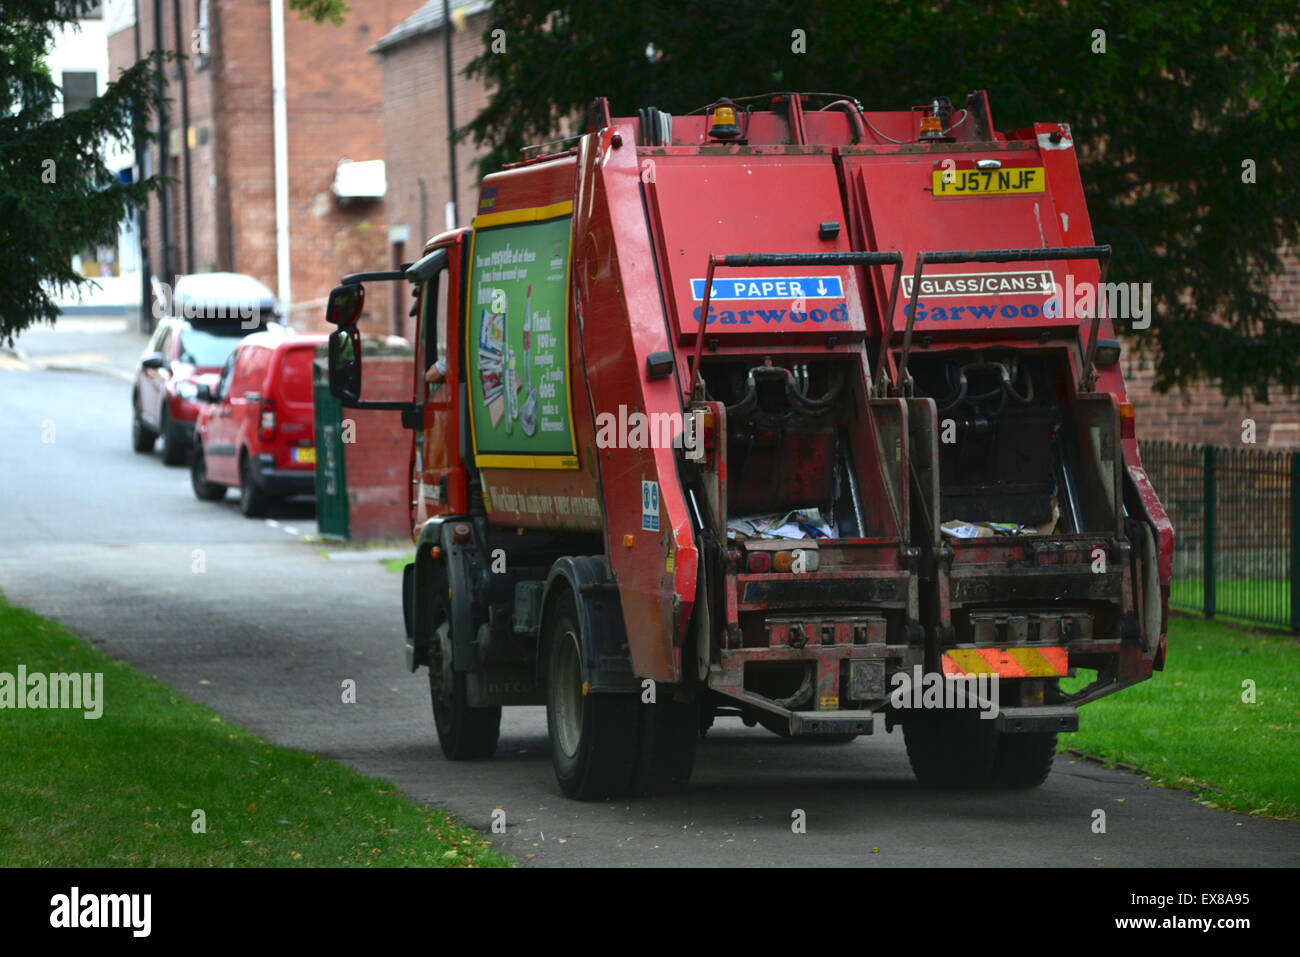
{"points": [[414, 85]]}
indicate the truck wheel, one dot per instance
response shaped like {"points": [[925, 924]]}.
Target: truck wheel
{"points": [[593, 736], [253, 499], [1024, 760], [203, 489], [173, 446], [142, 437], [670, 731], [948, 750], [464, 733]]}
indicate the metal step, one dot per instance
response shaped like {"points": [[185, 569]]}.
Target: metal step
{"points": [[1038, 720], [832, 722]]}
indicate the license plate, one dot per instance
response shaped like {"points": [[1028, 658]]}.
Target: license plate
{"points": [[305, 454], [989, 182]]}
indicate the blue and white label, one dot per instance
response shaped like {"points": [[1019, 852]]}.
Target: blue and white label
{"points": [[770, 287], [649, 506]]}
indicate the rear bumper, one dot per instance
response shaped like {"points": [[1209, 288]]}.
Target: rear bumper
{"points": [[283, 481]]}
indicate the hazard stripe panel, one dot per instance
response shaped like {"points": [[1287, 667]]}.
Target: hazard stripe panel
{"points": [[1007, 662]]}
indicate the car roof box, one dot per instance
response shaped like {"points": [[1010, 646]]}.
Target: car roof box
{"points": [[212, 300]]}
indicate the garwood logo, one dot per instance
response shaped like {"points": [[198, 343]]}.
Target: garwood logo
{"points": [[656, 430], [58, 691], [103, 910], [982, 284], [932, 690], [1072, 301], [752, 317]]}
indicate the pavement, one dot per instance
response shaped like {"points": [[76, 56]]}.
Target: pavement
{"points": [[105, 343], [253, 619]]}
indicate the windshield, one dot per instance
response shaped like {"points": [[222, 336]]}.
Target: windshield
{"points": [[202, 348]]}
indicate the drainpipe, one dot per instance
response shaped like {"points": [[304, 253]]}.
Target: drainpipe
{"points": [[164, 212], [424, 217], [281, 146], [451, 113], [141, 218], [185, 143]]}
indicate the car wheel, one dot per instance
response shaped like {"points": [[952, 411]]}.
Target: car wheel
{"points": [[203, 489], [173, 449], [593, 735], [142, 437], [253, 499]]}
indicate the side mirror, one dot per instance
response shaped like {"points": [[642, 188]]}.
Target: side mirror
{"points": [[345, 363], [345, 305], [204, 393], [154, 361]]}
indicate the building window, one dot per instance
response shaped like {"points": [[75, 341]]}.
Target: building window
{"points": [[79, 88]]}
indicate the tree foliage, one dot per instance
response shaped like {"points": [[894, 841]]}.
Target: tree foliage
{"points": [[57, 197], [1165, 120]]}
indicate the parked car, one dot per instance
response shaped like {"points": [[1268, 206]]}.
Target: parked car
{"points": [[209, 314], [254, 431]]}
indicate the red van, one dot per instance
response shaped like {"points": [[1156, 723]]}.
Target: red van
{"points": [[255, 429]]}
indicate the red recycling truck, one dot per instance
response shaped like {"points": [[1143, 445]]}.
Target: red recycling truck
{"points": [[784, 410]]}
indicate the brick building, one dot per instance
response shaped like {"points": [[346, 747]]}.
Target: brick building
{"points": [[416, 123], [219, 141]]}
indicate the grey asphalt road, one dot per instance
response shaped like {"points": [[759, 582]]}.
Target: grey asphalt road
{"points": [[248, 619]]}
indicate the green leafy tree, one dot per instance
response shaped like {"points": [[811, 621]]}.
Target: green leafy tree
{"points": [[1182, 112], [56, 195]]}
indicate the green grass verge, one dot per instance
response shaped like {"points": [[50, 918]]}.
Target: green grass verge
{"points": [[397, 564], [1189, 728], [120, 790]]}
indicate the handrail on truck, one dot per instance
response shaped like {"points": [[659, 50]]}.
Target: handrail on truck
{"points": [[903, 383], [744, 260]]}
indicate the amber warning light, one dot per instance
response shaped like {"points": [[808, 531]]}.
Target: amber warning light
{"points": [[724, 125]]}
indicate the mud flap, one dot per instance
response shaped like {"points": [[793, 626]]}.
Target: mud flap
{"points": [[606, 657]]}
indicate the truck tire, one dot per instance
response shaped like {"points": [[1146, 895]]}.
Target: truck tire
{"points": [[1024, 760], [670, 732], [142, 437], [950, 750], [593, 736], [464, 733], [204, 490]]}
